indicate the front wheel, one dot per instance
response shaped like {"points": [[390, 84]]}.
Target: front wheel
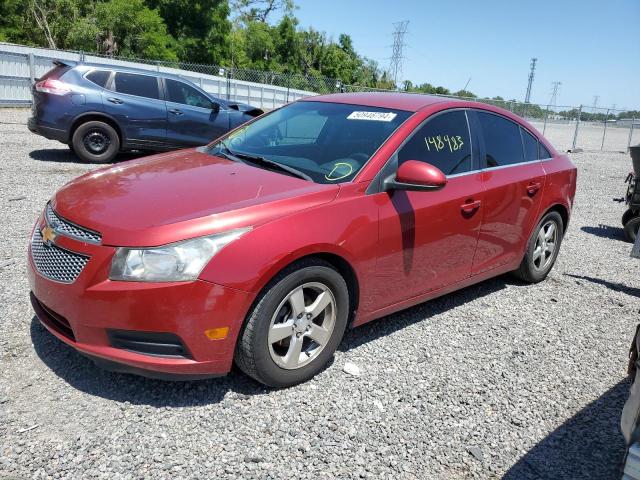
{"points": [[95, 142], [295, 326], [542, 249]]}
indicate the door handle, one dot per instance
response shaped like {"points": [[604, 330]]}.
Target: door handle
{"points": [[175, 111], [117, 101], [470, 207], [533, 188]]}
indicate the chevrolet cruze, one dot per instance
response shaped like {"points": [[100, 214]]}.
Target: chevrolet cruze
{"points": [[262, 247]]}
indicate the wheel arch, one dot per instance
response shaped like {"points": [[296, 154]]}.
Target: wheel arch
{"points": [[96, 116], [564, 214]]}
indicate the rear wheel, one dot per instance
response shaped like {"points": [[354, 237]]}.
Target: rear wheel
{"points": [[95, 142], [631, 229], [295, 326], [542, 249]]}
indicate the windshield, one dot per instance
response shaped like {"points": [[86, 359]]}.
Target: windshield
{"points": [[328, 142]]}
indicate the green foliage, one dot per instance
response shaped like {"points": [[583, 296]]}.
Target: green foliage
{"points": [[200, 31]]}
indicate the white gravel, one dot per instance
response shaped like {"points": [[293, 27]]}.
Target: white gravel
{"points": [[498, 380]]}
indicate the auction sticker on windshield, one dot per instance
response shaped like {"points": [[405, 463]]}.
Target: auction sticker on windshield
{"points": [[376, 116]]}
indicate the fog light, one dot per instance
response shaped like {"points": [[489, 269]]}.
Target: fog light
{"points": [[217, 333]]}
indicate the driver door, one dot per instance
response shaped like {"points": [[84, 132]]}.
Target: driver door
{"points": [[427, 239]]}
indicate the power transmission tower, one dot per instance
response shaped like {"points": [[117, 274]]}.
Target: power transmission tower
{"points": [[595, 102], [395, 67], [531, 75], [554, 94]]}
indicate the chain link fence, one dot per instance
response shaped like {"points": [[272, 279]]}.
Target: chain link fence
{"points": [[566, 127]]}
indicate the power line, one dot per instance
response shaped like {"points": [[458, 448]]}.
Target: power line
{"points": [[399, 32], [531, 75]]}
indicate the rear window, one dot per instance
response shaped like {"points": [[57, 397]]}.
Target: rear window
{"points": [[530, 146], [99, 77], [56, 72], [502, 140], [543, 152], [134, 84]]}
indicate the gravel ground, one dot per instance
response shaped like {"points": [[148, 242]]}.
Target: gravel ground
{"points": [[498, 380]]}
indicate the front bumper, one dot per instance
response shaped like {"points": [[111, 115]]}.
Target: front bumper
{"points": [[82, 313]]}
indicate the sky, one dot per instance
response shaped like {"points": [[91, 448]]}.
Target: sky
{"points": [[592, 47]]}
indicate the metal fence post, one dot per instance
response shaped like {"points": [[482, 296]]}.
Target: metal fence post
{"points": [[575, 134], [606, 117], [32, 68], [633, 120], [229, 84], [546, 114], [288, 85]]}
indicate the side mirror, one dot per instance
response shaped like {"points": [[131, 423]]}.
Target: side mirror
{"points": [[215, 107], [416, 175]]}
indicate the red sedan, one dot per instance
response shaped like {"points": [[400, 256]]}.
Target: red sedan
{"points": [[262, 247]]}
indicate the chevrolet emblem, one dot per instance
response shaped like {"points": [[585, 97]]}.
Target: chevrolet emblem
{"points": [[48, 235]]}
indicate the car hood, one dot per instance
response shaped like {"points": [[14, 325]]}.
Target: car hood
{"points": [[184, 194]]}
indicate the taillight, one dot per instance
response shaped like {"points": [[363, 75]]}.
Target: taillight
{"points": [[54, 87]]}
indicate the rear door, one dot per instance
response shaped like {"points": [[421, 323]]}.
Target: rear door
{"points": [[427, 240], [192, 118], [136, 102], [513, 179]]}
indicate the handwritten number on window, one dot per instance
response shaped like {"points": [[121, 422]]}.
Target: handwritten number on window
{"points": [[441, 142]]}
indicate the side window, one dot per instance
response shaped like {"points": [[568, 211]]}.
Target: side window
{"points": [[443, 142], [99, 77], [180, 92], [530, 146], [502, 140], [543, 152], [140, 85]]}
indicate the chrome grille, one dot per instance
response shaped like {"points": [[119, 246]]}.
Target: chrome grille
{"points": [[54, 262], [64, 227]]}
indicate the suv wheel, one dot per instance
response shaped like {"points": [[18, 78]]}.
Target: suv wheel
{"points": [[295, 326], [95, 142]]}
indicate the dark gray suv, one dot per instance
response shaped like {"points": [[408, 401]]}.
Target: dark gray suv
{"points": [[101, 110]]}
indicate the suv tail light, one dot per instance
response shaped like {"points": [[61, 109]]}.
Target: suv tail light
{"points": [[52, 86]]}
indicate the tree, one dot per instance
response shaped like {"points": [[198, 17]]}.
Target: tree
{"points": [[259, 10], [201, 28]]}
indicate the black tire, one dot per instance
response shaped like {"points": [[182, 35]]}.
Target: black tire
{"points": [[527, 270], [252, 354], [95, 142], [631, 229], [628, 215]]}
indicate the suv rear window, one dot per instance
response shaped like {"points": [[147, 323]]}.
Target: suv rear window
{"points": [[134, 84], [99, 77], [56, 72]]}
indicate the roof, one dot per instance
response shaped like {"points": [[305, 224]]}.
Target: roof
{"points": [[411, 102]]}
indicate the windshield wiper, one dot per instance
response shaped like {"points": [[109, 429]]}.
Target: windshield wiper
{"points": [[265, 161], [240, 157]]}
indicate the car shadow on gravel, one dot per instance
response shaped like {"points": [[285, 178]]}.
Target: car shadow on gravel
{"points": [[606, 231], [81, 373], [588, 445], [616, 287], [423, 312], [65, 155]]}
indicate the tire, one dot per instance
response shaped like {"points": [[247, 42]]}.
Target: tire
{"points": [[631, 229], [95, 142], [628, 215], [532, 269], [274, 364]]}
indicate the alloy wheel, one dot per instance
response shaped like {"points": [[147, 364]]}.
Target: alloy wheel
{"points": [[545, 246], [302, 325]]}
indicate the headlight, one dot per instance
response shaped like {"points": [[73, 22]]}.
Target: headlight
{"points": [[171, 263]]}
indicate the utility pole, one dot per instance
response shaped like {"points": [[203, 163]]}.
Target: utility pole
{"points": [[554, 94], [527, 97], [399, 32]]}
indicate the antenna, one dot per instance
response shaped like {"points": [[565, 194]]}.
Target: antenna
{"points": [[395, 67], [554, 94], [531, 75]]}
